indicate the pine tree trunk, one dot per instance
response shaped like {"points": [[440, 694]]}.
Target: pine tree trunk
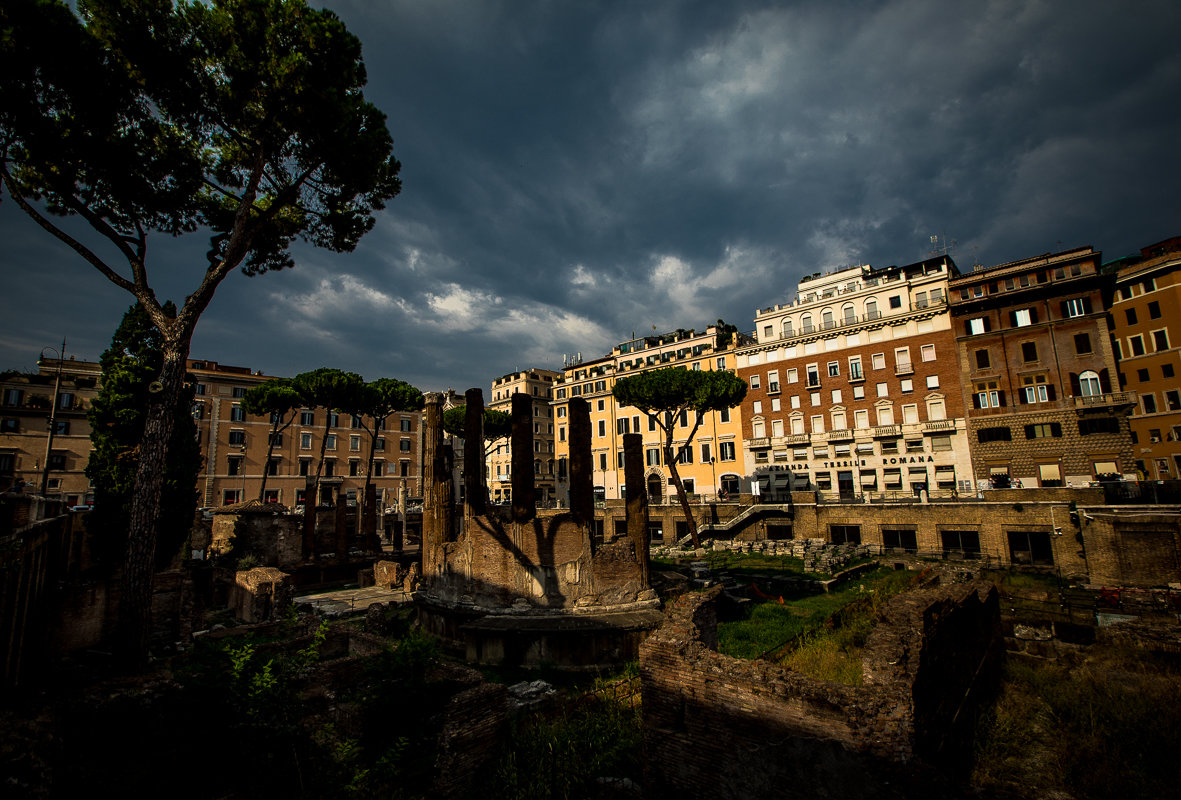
{"points": [[133, 632]]}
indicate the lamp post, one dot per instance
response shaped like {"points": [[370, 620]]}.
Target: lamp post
{"points": [[57, 385]]}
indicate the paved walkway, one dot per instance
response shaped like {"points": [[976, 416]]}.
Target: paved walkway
{"points": [[343, 602]]}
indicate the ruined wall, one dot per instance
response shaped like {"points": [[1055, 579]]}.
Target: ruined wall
{"points": [[1138, 547], [715, 726]]}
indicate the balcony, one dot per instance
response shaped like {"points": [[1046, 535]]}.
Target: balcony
{"points": [[842, 435], [761, 443], [904, 368], [939, 425], [1094, 401], [795, 438], [887, 431]]}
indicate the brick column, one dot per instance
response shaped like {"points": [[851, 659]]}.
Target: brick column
{"points": [[475, 487], [582, 490], [436, 495], [637, 498], [524, 493]]}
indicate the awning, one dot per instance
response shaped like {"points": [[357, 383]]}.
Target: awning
{"points": [[949, 472], [1049, 472], [869, 478]]}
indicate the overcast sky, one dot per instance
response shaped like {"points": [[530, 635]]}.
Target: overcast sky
{"points": [[575, 172]]}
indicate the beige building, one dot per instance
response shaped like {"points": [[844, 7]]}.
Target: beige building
{"points": [[715, 459], [233, 443], [854, 389], [27, 403], [1146, 328], [538, 384]]}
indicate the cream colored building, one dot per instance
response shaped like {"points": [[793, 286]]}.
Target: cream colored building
{"points": [[715, 459], [854, 387]]}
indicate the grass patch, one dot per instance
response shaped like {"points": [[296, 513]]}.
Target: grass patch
{"points": [[767, 625]]}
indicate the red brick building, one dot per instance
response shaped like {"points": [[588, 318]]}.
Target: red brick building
{"points": [[1039, 373], [854, 388]]}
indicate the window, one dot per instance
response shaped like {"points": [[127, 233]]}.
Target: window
{"points": [[236, 413], [237, 437], [900, 540], [1154, 310], [622, 426], [404, 446], [978, 326], [725, 451], [896, 301], [1136, 343], [936, 409], [858, 394], [758, 406], [354, 444], [334, 420], [960, 544], [1022, 317], [307, 418], [932, 381], [1045, 430], [837, 396], [721, 363], [378, 469], [1082, 343], [1035, 390], [787, 328], [234, 465], [910, 414], [404, 425], [987, 395], [1166, 370], [818, 423], [907, 385], [200, 388], [602, 462], [878, 360], [1074, 307], [329, 467], [871, 309], [230, 496], [814, 398], [775, 404], [379, 444], [813, 375], [861, 418], [793, 376], [723, 416], [754, 382], [845, 534], [1049, 474], [885, 417], [773, 382], [331, 444], [1149, 402], [305, 441], [1160, 340], [1088, 426], [928, 352], [883, 390], [1130, 314], [834, 369], [1173, 400], [855, 373], [239, 391], [1029, 351], [273, 466], [998, 434], [1089, 385]]}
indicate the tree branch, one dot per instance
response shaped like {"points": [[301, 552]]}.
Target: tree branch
{"points": [[66, 239]]}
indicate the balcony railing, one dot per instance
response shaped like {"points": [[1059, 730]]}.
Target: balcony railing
{"points": [[904, 368], [1109, 399], [760, 443], [939, 425], [885, 431], [840, 435]]}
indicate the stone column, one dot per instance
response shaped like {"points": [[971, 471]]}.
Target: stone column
{"points": [[436, 495], [342, 530], [524, 493], [474, 466], [582, 490], [636, 493]]}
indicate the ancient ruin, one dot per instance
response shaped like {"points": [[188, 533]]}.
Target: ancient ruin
{"points": [[525, 587]]}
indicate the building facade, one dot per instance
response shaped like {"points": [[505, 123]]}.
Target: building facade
{"points": [[1038, 372], [1146, 327], [234, 444], [538, 384], [27, 404], [235, 447], [712, 464], [853, 388]]}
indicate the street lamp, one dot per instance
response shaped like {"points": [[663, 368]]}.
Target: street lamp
{"points": [[61, 354]]}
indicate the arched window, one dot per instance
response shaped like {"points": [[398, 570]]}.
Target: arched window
{"points": [[871, 309], [848, 314], [806, 323], [787, 327], [826, 318], [1089, 384]]}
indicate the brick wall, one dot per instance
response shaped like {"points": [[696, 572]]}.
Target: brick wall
{"points": [[719, 727], [1133, 547]]}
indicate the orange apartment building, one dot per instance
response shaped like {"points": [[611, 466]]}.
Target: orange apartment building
{"points": [[1146, 329], [538, 384]]}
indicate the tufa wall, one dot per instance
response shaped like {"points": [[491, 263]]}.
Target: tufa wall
{"points": [[720, 727]]}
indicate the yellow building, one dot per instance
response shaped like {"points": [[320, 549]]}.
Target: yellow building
{"points": [[713, 463], [27, 403], [538, 384]]}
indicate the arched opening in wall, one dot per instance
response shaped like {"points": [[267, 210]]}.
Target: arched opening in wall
{"points": [[655, 488], [730, 486]]}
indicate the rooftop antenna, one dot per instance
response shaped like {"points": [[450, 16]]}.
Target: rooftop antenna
{"points": [[941, 245]]}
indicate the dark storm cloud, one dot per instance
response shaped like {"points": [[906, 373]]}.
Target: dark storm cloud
{"points": [[576, 172]]}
